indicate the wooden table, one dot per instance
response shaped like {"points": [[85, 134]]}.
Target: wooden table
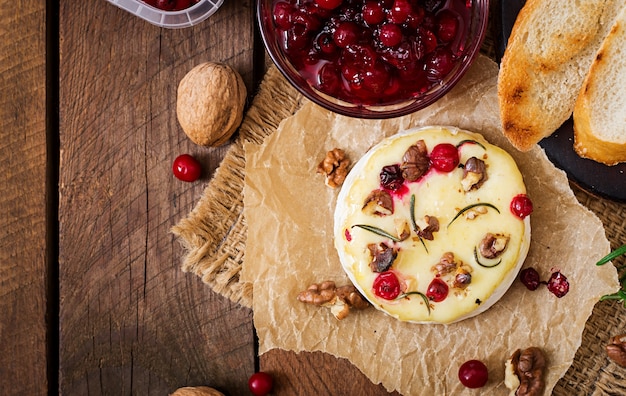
{"points": [[92, 298]]}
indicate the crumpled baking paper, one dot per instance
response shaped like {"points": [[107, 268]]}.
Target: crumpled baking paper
{"points": [[289, 211]]}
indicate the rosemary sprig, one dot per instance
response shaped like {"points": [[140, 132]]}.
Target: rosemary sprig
{"points": [[378, 231], [422, 295], [462, 142], [620, 295], [468, 207], [613, 255], [414, 224], [483, 264]]}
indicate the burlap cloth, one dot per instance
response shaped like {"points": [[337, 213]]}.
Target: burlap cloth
{"points": [[213, 236]]}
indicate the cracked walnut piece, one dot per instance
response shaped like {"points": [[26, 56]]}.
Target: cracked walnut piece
{"points": [[415, 161], [334, 167], [616, 349], [339, 299], [524, 372]]}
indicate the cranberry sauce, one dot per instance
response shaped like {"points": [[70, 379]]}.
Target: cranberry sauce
{"points": [[373, 52]]}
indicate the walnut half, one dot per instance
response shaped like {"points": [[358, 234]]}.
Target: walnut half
{"points": [[524, 372], [616, 349], [335, 167], [415, 162], [338, 299], [474, 174]]}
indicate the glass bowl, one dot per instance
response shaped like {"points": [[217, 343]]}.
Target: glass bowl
{"points": [[344, 60], [187, 17]]}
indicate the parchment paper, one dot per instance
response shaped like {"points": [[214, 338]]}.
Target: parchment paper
{"points": [[289, 211]]}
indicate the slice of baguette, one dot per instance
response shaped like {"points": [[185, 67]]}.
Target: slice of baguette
{"points": [[550, 49], [600, 111]]}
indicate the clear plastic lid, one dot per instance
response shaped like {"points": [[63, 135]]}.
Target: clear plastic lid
{"points": [[170, 19]]}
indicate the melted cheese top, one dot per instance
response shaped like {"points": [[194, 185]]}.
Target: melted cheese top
{"points": [[441, 195]]}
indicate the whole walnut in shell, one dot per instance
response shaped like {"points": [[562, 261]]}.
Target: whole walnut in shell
{"points": [[210, 103], [196, 391]]}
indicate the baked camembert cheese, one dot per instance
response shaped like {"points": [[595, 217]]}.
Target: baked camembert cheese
{"points": [[432, 225]]}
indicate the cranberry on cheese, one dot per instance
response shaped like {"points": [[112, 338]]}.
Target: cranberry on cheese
{"points": [[424, 226]]}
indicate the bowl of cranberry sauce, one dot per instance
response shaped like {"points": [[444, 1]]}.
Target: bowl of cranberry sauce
{"points": [[373, 58]]}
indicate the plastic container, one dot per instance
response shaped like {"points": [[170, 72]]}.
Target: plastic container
{"points": [[170, 19], [274, 42]]}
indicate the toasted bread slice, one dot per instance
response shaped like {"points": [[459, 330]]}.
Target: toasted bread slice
{"points": [[600, 111], [550, 49]]}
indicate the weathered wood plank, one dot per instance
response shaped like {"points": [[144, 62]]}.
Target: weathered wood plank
{"points": [[23, 232]]}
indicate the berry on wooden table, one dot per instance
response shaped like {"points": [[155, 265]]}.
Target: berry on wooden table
{"points": [[186, 168], [260, 383]]}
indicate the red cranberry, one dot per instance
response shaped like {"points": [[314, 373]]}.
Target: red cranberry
{"points": [[400, 11], [329, 79], [415, 18], [386, 285], [297, 38], [439, 63], [347, 33], [360, 56], [444, 157], [558, 284], [373, 13], [186, 168], [326, 44], [521, 206], [437, 291], [530, 278], [282, 14], [391, 177], [428, 39], [375, 79], [260, 383], [309, 20], [328, 4], [390, 35], [473, 374], [447, 25]]}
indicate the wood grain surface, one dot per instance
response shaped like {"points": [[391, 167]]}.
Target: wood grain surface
{"points": [[23, 201]]}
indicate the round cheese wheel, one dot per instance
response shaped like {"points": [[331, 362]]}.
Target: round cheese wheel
{"points": [[424, 228]]}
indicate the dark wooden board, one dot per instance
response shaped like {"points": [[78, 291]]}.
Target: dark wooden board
{"points": [[23, 202]]}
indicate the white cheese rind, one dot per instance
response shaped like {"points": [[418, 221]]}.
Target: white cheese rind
{"points": [[441, 195]]}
